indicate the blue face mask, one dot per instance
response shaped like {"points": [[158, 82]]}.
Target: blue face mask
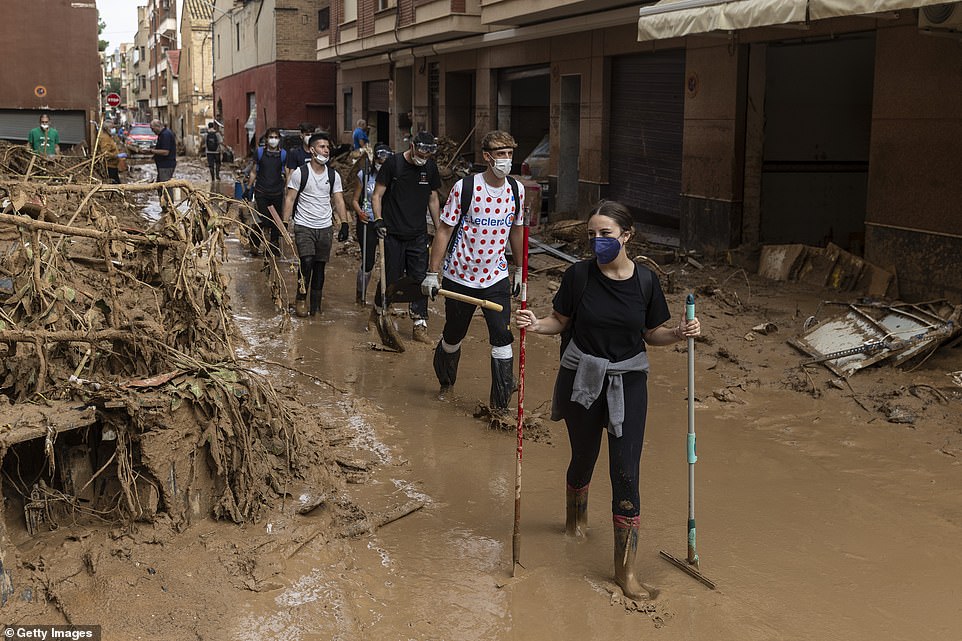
{"points": [[605, 248]]}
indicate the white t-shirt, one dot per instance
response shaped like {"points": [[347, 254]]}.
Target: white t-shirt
{"points": [[477, 258], [314, 208]]}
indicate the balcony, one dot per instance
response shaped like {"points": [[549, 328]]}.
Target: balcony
{"points": [[525, 12], [434, 23]]}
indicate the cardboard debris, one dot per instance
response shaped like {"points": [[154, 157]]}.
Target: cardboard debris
{"points": [[829, 266]]}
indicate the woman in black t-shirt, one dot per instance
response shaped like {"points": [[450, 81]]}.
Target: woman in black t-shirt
{"points": [[611, 309]]}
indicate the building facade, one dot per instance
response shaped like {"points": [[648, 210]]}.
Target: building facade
{"points": [[138, 93], [736, 123], [266, 71], [196, 72], [64, 79], [162, 37]]}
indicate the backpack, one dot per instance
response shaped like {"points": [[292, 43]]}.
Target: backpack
{"points": [[582, 274], [212, 144], [467, 189], [303, 184], [260, 156]]}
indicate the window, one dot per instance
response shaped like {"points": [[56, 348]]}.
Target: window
{"points": [[218, 46], [384, 4], [324, 19], [350, 11], [237, 29], [348, 109]]}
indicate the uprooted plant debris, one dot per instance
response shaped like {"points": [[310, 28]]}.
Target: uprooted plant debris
{"points": [[121, 398]]}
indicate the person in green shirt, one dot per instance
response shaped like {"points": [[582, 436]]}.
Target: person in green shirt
{"points": [[44, 139]]}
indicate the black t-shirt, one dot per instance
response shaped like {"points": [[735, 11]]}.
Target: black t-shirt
{"points": [[297, 157], [166, 140], [612, 315], [270, 173], [408, 191]]}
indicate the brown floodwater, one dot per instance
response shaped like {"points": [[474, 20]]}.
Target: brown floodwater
{"points": [[814, 522]]}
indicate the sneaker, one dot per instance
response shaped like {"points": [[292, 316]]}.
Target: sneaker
{"points": [[300, 307], [421, 333]]}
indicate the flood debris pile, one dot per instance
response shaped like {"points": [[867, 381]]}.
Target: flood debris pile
{"points": [[120, 395]]}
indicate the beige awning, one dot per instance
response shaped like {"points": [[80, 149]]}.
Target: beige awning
{"points": [[675, 18], [819, 9]]}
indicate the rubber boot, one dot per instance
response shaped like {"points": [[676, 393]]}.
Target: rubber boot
{"points": [[626, 549], [576, 512], [502, 382], [446, 367], [315, 301], [300, 305]]}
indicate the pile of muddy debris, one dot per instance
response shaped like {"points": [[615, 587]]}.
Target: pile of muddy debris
{"points": [[121, 398]]}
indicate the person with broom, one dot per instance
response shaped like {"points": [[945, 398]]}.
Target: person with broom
{"points": [[484, 213], [366, 236], [609, 310]]}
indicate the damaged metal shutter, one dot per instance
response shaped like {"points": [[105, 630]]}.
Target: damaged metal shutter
{"points": [[15, 124]]}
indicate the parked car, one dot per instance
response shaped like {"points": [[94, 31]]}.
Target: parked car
{"points": [[141, 138], [535, 166]]}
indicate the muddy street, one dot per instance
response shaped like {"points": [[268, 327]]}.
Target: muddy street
{"points": [[353, 503], [816, 520]]}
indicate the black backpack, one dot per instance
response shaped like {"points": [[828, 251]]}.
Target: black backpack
{"points": [[212, 141], [467, 192]]}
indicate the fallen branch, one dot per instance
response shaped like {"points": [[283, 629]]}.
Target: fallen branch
{"points": [[295, 370], [368, 525], [30, 223]]}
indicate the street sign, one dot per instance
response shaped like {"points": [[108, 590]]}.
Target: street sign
{"points": [[113, 100]]}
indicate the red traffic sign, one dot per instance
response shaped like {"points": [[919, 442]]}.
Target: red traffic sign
{"points": [[113, 99]]}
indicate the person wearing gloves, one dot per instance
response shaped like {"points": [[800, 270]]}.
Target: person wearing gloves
{"points": [[483, 214], [406, 186], [608, 310], [366, 236], [314, 201]]}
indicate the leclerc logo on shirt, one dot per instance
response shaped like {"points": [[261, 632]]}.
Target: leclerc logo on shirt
{"points": [[423, 178]]}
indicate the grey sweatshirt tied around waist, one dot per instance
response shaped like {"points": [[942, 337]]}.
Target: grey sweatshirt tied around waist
{"points": [[590, 374]]}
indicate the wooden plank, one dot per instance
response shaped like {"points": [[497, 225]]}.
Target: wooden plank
{"points": [[24, 421]]}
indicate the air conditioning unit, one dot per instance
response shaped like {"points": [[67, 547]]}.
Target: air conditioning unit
{"points": [[941, 17]]}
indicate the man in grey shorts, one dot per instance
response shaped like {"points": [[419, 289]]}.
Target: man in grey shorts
{"points": [[315, 202]]}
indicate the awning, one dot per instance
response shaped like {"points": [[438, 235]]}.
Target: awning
{"points": [[819, 9], [675, 18]]}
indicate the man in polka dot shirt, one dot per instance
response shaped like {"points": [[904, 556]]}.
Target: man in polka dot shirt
{"points": [[468, 256]]}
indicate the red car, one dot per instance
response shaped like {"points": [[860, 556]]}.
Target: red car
{"points": [[140, 138]]}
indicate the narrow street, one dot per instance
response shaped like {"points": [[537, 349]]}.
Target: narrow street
{"points": [[815, 522]]}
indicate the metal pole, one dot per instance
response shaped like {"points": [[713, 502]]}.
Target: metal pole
{"points": [[692, 457]]}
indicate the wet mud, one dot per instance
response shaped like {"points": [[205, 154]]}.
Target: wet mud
{"points": [[817, 518]]}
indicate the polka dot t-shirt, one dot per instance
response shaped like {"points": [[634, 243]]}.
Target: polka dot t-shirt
{"points": [[477, 258]]}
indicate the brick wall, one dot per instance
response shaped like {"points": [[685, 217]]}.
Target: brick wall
{"points": [[365, 17], [296, 29]]}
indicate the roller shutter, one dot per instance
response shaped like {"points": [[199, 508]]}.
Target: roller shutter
{"points": [[15, 124], [646, 132]]}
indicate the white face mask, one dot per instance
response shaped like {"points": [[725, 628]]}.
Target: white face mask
{"points": [[273, 142], [307, 140], [418, 160], [501, 167], [44, 125], [319, 158]]}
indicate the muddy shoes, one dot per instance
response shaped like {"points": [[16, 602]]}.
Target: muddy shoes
{"points": [[446, 366], [626, 548], [576, 512], [300, 305], [420, 333], [502, 382]]}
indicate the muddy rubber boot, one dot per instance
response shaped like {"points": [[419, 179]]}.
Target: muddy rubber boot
{"points": [[315, 301], [626, 549], [502, 382], [576, 512], [446, 367], [300, 305]]}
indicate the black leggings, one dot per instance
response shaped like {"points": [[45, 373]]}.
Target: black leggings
{"points": [[366, 235], [585, 427]]}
